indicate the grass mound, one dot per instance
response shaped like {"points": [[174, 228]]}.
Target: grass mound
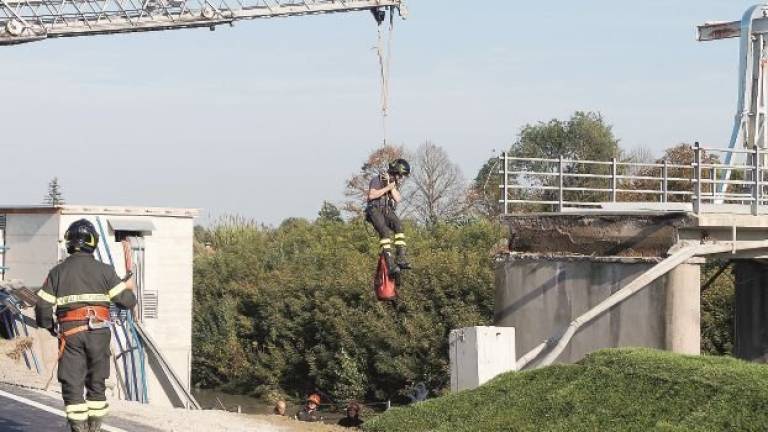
{"points": [[610, 390]]}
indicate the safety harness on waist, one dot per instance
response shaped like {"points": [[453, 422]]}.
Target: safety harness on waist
{"points": [[94, 317]]}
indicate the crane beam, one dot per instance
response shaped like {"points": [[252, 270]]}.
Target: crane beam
{"points": [[24, 21], [724, 30]]}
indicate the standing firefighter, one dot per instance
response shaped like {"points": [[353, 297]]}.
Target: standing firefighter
{"points": [[81, 289], [383, 197]]}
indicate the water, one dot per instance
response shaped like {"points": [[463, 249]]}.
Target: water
{"points": [[216, 399]]}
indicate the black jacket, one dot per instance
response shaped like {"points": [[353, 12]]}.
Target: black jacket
{"points": [[80, 281]]}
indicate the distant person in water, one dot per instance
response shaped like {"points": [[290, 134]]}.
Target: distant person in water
{"points": [[353, 416], [309, 412], [279, 408]]}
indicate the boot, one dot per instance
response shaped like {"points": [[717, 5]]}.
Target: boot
{"points": [[402, 261], [94, 424], [391, 265], [78, 426]]}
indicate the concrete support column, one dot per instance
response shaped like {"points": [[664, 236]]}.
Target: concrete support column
{"points": [[683, 317], [751, 311]]}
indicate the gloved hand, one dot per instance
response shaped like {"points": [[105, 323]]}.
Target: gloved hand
{"points": [[384, 178], [52, 331]]}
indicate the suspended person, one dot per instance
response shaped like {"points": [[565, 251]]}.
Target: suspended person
{"points": [[82, 289], [383, 197]]}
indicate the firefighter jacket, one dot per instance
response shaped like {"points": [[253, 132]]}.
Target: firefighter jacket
{"points": [[80, 281]]}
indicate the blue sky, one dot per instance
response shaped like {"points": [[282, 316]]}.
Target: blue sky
{"points": [[268, 118]]}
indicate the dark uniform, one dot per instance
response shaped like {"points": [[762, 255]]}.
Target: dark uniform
{"points": [[308, 415], [350, 422], [80, 285], [381, 213]]}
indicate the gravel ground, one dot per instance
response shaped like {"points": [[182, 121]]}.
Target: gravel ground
{"points": [[13, 371]]}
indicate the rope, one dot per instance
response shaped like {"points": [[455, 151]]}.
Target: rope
{"points": [[384, 54]]}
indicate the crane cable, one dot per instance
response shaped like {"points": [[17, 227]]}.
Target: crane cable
{"points": [[384, 53]]}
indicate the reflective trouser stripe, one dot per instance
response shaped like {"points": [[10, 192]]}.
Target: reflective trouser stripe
{"points": [[77, 412], [399, 243], [97, 408], [385, 243], [117, 290], [82, 298], [400, 236]]}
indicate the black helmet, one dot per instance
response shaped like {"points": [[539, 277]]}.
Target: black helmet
{"points": [[81, 236], [400, 166]]}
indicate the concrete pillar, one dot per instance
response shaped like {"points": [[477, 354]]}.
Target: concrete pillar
{"points": [[751, 311], [683, 318], [478, 354]]}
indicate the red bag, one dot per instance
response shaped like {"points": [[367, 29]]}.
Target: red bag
{"points": [[384, 286]]}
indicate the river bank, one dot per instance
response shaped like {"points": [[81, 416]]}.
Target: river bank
{"points": [[14, 372]]}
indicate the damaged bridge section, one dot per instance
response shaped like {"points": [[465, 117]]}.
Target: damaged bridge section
{"points": [[601, 235], [561, 265]]}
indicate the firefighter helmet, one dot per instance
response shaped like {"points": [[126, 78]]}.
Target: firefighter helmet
{"points": [[81, 236], [400, 166]]}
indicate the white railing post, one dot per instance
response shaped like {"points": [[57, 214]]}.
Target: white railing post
{"points": [[562, 184], [613, 180], [665, 182], [505, 199], [697, 175], [756, 187]]}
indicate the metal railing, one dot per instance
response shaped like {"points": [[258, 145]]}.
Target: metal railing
{"points": [[540, 184]]}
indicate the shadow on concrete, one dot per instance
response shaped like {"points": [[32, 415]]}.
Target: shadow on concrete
{"points": [[165, 382], [551, 283]]}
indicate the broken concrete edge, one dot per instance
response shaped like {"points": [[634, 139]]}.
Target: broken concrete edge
{"points": [[523, 256], [644, 234]]}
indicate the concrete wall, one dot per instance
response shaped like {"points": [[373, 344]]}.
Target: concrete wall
{"points": [[168, 260], [541, 296], [32, 242]]}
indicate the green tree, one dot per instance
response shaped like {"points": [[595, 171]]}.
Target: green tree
{"points": [[585, 136], [291, 309], [329, 213], [54, 197]]}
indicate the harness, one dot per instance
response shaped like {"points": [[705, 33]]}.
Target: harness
{"points": [[95, 317]]}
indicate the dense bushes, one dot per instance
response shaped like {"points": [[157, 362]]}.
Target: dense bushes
{"points": [[291, 309]]}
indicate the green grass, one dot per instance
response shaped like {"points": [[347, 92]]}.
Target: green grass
{"points": [[610, 390]]}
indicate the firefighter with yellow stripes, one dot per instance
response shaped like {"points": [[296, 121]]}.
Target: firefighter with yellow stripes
{"points": [[383, 197], [81, 290]]}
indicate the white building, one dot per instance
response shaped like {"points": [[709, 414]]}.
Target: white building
{"points": [[32, 241]]}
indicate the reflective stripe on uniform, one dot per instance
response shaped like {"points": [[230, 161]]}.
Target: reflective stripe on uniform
{"points": [[97, 408], [48, 298], [82, 298], [399, 236], [77, 412], [400, 243], [117, 290], [385, 243]]}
